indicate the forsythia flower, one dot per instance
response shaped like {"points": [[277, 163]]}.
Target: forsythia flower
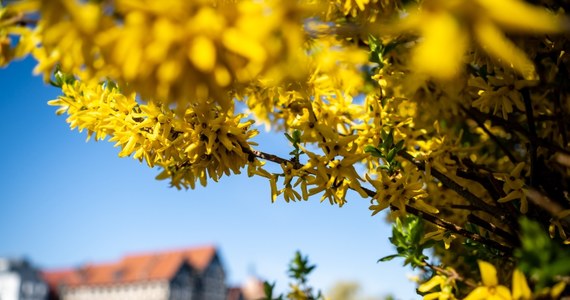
{"points": [[398, 190], [491, 289], [555, 224], [499, 94], [9, 18], [445, 27], [514, 187], [173, 50], [206, 142], [441, 234], [445, 284]]}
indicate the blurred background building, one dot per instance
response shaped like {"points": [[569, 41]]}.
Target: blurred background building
{"points": [[187, 274], [19, 280]]}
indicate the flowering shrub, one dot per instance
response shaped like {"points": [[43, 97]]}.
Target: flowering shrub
{"points": [[452, 115]]}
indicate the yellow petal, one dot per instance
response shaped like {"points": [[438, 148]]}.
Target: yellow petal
{"points": [[517, 170], [520, 286], [440, 53], [273, 184], [479, 293], [557, 289], [519, 16], [496, 44], [511, 196], [488, 273], [425, 207], [203, 54], [502, 293], [430, 284]]}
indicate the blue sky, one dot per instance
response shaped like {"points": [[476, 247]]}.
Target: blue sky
{"points": [[65, 202]]}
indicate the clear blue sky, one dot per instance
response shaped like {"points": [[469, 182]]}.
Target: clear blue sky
{"points": [[65, 202]]}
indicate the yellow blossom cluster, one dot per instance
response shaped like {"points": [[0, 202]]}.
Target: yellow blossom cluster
{"points": [[10, 17], [205, 142], [172, 51]]}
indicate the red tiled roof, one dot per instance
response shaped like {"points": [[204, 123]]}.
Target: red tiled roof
{"points": [[132, 268]]}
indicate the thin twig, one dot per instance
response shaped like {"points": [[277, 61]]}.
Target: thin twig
{"points": [[459, 230], [532, 135], [501, 145], [461, 190], [424, 215], [274, 158], [465, 207], [492, 228], [559, 110], [516, 127], [452, 274]]}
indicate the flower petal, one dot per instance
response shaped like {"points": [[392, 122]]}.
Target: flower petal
{"points": [[520, 286], [496, 44], [488, 273]]}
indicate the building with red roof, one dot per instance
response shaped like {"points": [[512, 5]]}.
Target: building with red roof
{"points": [[194, 273]]}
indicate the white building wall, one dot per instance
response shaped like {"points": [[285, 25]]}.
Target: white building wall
{"points": [[20, 281], [9, 286], [135, 291]]}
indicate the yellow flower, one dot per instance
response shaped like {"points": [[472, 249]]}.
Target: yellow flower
{"points": [[521, 291], [491, 290], [513, 186], [441, 234], [500, 93], [205, 142], [445, 27], [555, 224], [445, 285], [398, 190]]}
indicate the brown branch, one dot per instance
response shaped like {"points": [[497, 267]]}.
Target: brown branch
{"points": [[516, 127], [544, 202], [459, 230], [461, 190], [532, 135], [273, 158], [424, 215], [465, 207], [501, 145], [452, 274], [507, 236]]}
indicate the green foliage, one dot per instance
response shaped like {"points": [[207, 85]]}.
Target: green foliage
{"points": [[387, 150], [378, 51], [295, 139], [61, 78], [407, 233], [476, 250], [540, 257], [299, 270], [268, 289]]}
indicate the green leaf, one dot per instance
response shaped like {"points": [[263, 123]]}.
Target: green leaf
{"points": [[389, 141], [373, 43], [399, 146], [388, 258], [297, 136], [383, 135], [390, 46], [290, 138], [373, 151], [391, 155]]}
